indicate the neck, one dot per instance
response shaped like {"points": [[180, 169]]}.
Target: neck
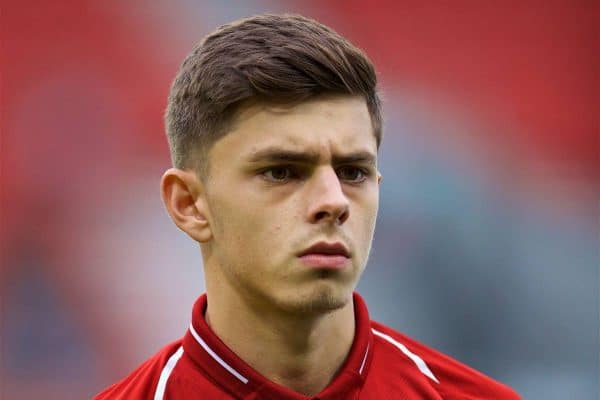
{"points": [[298, 351]]}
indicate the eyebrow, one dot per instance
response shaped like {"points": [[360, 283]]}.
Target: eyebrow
{"points": [[277, 154]]}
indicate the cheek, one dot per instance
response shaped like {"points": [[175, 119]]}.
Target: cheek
{"points": [[367, 223], [373, 215], [242, 232]]}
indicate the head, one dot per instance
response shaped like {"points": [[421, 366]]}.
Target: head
{"points": [[274, 123]]}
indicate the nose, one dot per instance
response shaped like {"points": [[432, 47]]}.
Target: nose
{"points": [[327, 201]]}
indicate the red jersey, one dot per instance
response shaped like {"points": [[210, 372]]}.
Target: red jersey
{"points": [[382, 364]]}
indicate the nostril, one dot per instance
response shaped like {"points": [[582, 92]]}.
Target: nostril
{"points": [[344, 216], [321, 214], [340, 217]]}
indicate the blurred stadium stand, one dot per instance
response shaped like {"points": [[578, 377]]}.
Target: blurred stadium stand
{"points": [[487, 239]]}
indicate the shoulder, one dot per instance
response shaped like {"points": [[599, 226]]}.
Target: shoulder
{"points": [[143, 382], [448, 377]]}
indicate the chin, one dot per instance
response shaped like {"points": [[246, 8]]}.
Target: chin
{"points": [[321, 299]]}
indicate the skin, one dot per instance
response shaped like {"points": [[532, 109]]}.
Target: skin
{"points": [[283, 179]]}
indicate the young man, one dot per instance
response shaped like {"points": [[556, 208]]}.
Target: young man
{"points": [[274, 123]]}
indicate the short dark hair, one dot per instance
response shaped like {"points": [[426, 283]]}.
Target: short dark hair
{"points": [[266, 58]]}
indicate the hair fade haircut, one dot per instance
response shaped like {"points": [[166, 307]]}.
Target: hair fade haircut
{"points": [[266, 58]]}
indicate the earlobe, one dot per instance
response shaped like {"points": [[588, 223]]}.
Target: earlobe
{"points": [[183, 196]]}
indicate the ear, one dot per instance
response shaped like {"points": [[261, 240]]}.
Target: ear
{"points": [[379, 177], [183, 194]]}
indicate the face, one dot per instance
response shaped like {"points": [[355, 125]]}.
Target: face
{"points": [[292, 195]]}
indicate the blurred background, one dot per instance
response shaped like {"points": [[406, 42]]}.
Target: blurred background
{"points": [[487, 239]]}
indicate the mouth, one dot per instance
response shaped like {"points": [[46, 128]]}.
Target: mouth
{"points": [[326, 256]]}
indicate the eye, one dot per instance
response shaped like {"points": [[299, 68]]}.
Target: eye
{"points": [[352, 174], [277, 174]]}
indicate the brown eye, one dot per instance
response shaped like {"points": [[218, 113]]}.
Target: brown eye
{"points": [[277, 174], [351, 174]]}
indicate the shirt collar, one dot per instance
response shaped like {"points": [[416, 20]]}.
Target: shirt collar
{"points": [[235, 376]]}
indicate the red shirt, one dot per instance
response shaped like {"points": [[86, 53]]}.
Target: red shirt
{"points": [[382, 364]]}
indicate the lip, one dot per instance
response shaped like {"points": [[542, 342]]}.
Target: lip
{"points": [[326, 255]]}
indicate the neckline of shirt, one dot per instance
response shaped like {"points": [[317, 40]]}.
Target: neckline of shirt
{"points": [[234, 375]]}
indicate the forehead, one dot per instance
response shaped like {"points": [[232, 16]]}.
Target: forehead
{"points": [[328, 126]]}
